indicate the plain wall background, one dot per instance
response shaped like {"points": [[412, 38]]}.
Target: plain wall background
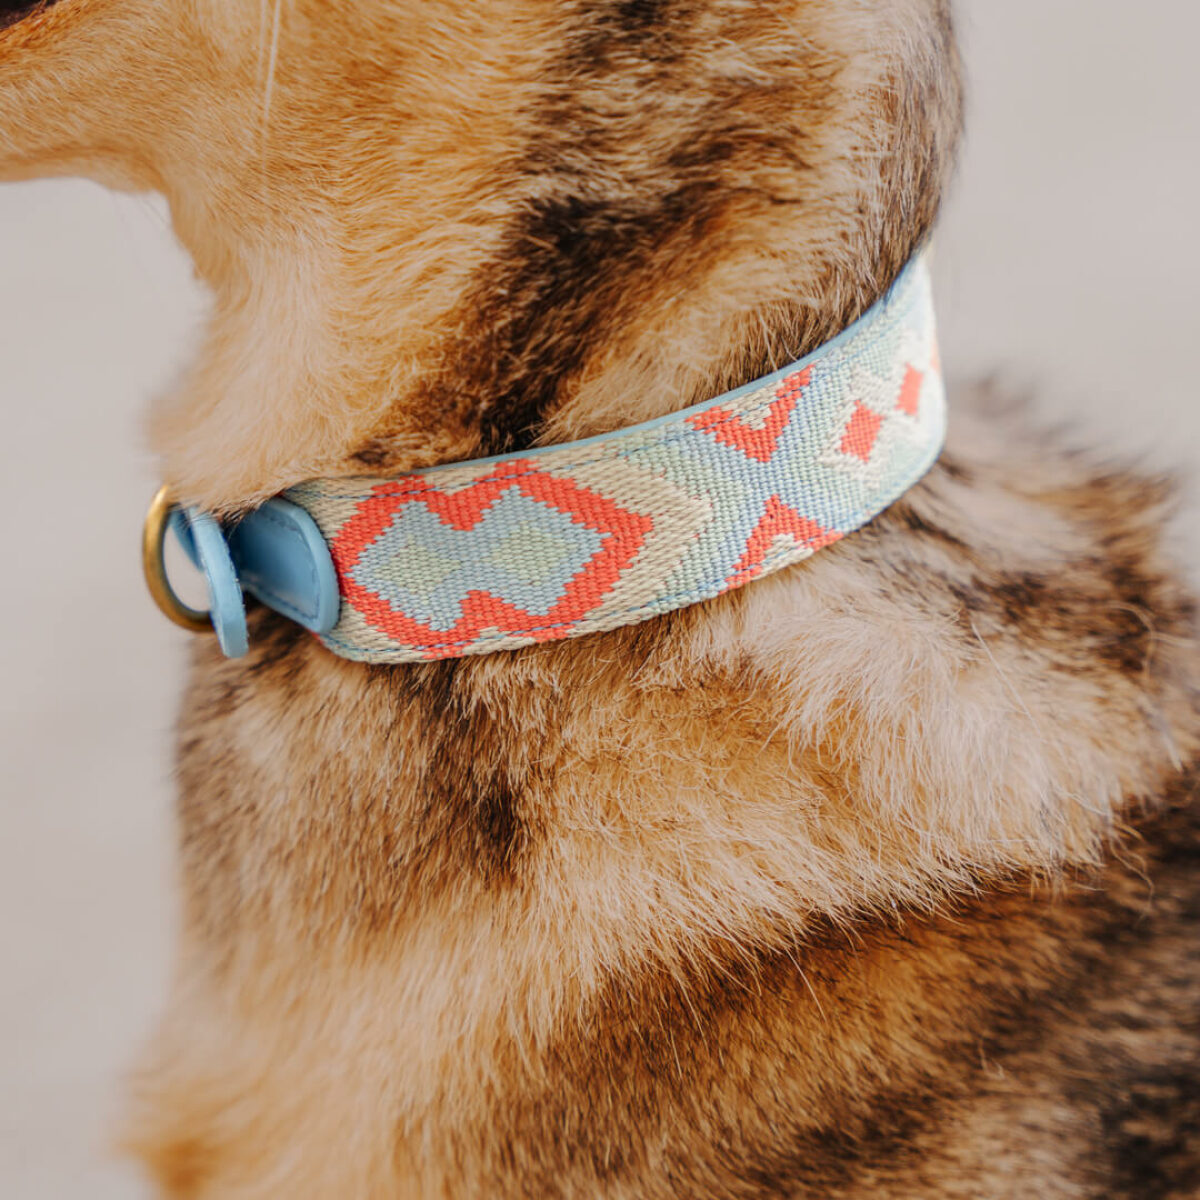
{"points": [[1067, 260]]}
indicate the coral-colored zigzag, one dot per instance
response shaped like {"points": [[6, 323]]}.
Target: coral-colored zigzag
{"points": [[759, 444], [778, 521]]}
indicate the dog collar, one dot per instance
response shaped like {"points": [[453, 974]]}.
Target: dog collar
{"points": [[553, 543]]}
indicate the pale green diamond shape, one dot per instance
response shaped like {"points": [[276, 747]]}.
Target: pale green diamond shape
{"points": [[420, 569], [532, 555]]}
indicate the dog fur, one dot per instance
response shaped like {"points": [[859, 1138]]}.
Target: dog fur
{"points": [[874, 878]]}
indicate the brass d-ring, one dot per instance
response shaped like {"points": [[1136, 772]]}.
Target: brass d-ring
{"points": [[154, 534]]}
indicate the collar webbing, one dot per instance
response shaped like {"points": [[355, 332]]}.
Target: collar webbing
{"points": [[574, 539]]}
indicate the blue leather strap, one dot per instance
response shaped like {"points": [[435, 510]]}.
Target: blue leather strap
{"points": [[283, 560], [275, 553], [202, 539]]}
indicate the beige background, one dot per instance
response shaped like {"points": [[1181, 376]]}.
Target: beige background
{"points": [[1068, 260]]}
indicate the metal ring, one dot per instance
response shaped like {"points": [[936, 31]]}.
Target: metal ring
{"points": [[154, 534]]}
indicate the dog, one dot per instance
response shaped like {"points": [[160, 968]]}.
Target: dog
{"points": [[874, 877]]}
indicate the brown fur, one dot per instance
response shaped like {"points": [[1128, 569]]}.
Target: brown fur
{"points": [[876, 878]]}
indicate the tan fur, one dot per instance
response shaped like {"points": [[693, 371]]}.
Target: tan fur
{"points": [[823, 888]]}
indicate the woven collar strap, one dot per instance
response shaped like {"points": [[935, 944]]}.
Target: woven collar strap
{"points": [[574, 539]]}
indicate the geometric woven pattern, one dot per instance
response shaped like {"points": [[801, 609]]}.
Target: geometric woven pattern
{"points": [[568, 540]]}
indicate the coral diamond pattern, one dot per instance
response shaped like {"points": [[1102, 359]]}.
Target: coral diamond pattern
{"points": [[910, 391], [858, 439], [573, 539], [465, 513]]}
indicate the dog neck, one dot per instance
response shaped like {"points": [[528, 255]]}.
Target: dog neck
{"points": [[442, 232], [503, 277], [567, 541], [557, 277]]}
